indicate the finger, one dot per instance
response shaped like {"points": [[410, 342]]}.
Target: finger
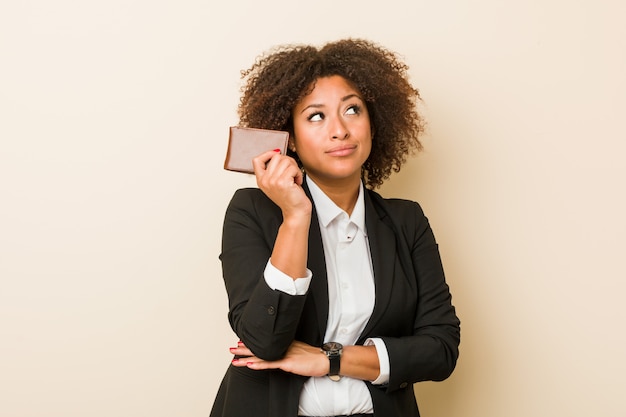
{"points": [[241, 351], [280, 175], [299, 178], [279, 163], [260, 161], [253, 362], [284, 168], [240, 362], [259, 364]]}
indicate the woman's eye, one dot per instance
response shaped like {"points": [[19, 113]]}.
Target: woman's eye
{"points": [[316, 117], [353, 110]]}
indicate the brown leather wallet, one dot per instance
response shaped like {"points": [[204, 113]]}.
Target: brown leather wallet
{"points": [[246, 143]]}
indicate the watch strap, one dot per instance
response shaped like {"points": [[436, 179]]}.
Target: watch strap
{"points": [[335, 364]]}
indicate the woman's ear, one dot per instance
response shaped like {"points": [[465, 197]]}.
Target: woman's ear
{"points": [[292, 144]]}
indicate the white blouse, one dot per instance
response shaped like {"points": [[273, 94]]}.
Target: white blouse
{"points": [[351, 295]]}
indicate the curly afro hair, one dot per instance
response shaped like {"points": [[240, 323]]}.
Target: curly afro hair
{"points": [[279, 79]]}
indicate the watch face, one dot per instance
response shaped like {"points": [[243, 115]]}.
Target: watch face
{"points": [[332, 347]]}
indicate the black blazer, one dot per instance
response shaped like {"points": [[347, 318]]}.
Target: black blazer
{"points": [[413, 313]]}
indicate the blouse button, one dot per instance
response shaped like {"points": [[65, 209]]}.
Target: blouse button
{"points": [[271, 310]]}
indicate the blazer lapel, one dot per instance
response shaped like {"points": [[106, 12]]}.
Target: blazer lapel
{"points": [[318, 290], [382, 242]]}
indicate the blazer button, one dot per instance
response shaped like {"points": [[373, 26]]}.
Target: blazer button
{"points": [[271, 310], [404, 385]]}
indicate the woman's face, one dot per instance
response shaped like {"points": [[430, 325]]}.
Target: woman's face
{"points": [[332, 134]]}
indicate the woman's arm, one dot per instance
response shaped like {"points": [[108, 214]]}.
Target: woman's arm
{"points": [[430, 353], [359, 362], [259, 226], [280, 178]]}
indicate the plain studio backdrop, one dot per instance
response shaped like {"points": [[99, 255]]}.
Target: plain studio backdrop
{"points": [[113, 124]]}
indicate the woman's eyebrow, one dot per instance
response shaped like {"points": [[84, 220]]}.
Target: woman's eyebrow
{"points": [[345, 98], [314, 106], [349, 96]]}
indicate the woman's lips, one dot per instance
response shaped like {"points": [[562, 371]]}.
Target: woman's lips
{"points": [[342, 150]]}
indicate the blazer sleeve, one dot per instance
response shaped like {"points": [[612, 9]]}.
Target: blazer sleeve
{"points": [[430, 352], [264, 319]]}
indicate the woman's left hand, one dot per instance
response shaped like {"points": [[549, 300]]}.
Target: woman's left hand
{"points": [[300, 359]]}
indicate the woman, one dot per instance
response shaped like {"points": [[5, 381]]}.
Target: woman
{"points": [[338, 295]]}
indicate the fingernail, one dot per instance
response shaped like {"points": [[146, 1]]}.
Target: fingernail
{"points": [[231, 349], [235, 360], [276, 150], [240, 343]]}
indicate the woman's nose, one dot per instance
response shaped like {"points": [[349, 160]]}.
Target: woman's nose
{"points": [[339, 130]]}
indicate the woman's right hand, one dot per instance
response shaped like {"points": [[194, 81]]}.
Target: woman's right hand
{"points": [[280, 178]]}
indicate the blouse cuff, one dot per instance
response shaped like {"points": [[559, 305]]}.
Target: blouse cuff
{"points": [[383, 360], [278, 280]]}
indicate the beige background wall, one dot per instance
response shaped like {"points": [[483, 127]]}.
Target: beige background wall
{"points": [[113, 122]]}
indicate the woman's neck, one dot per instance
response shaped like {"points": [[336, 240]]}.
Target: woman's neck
{"points": [[344, 193]]}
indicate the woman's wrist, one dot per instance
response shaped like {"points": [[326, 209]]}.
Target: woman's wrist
{"points": [[360, 362], [297, 220], [291, 246]]}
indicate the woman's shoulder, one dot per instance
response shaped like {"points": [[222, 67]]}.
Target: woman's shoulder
{"points": [[404, 216], [248, 193], [395, 206], [252, 199]]}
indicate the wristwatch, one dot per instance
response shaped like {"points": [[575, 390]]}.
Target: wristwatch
{"points": [[333, 350]]}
